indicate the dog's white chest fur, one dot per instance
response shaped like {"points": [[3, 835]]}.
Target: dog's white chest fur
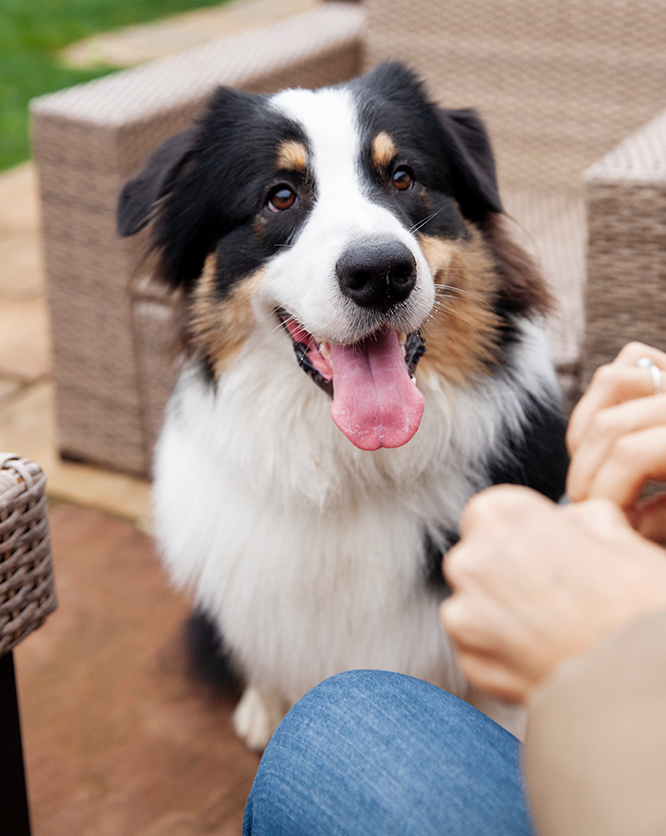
{"points": [[308, 551]]}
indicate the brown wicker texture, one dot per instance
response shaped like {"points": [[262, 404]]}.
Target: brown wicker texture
{"points": [[112, 330], [560, 82], [626, 291], [27, 593]]}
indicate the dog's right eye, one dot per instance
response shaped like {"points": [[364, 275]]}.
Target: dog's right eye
{"points": [[403, 179], [281, 198]]}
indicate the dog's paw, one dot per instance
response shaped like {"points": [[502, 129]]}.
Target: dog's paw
{"points": [[256, 717]]}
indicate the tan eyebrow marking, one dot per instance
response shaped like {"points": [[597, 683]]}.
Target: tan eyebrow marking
{"points": [[383, 150], [292, 156]]}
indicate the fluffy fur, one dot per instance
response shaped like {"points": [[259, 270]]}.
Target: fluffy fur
{"points": [[310, 555]]}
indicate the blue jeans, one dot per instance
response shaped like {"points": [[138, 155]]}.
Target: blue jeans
{"points": [[373, 753]]}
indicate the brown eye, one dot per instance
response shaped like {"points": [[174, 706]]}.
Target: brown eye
{"points": [[281, 198], [403, 179]]}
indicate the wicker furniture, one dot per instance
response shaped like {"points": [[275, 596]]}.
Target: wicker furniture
{"points": [[626, 290], [560, 82], [112, 330], [27, 597]]}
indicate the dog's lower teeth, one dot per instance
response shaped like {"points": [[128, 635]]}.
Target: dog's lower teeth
{"points": [[325, 350]]}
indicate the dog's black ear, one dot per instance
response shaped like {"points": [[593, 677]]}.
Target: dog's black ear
{"points": [[141, 194], [472, 163]]}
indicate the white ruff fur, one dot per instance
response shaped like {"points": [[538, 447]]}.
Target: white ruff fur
{"points": [[306, 550]]}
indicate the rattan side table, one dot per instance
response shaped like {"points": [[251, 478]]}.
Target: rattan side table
{"points": [[27, 596]]}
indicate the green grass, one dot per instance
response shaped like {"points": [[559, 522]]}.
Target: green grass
{"points": [[31, 34]]}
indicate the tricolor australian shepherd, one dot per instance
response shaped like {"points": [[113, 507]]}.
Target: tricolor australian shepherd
{"points": [[364, 353]]}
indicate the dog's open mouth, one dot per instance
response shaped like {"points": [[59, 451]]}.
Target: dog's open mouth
{"points": [[375, 399]]}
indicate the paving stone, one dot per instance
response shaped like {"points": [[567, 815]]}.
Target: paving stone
{"points": [[27, 426], [24, 338], [135, 44], [22, 275], [19, 200], [118, 741]]}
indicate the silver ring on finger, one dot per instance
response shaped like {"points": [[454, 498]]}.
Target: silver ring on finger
{"points": [[648, 363]]}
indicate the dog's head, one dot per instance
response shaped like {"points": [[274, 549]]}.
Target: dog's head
{"points": [[335, 212]]}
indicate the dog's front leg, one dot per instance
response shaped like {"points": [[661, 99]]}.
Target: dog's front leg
{"points": [[257, 715]]}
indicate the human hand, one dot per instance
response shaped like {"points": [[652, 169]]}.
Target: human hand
{"points": [[535, 583], [617, 439]]}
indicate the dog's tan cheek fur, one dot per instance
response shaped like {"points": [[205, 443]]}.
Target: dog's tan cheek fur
{"points": [[462, 332], [218, 328]]}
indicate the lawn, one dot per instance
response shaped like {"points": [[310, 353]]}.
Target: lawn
{"points": [[31, 34]]}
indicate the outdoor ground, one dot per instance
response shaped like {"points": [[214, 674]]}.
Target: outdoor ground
{"points": [[118, 740]]}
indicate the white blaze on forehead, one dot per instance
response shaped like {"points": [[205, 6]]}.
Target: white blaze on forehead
{"points": [[328, 118]]}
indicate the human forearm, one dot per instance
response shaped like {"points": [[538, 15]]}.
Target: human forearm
{"points": [[594, 757]]}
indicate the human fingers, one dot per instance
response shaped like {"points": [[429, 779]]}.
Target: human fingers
{"points": [[473, 619], [632, 459], [598, 517], [632, 352], [498, 530], [649, 519], [497, 505], [605, 428], [488, 645], [614, 383], [546, 590], [495, 678]]}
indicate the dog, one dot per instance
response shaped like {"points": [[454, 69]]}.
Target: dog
{"points": [[365, 351]]}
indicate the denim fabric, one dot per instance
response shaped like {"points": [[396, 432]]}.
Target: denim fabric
{"points": [[372, 752]]}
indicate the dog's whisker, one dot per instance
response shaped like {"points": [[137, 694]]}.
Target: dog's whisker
{"points": [[440, 289], [270, 335], [421, 224], [448, 312]]}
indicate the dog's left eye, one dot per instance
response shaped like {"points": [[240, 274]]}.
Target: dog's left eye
{"points": [[403, 179], [281, 198]]}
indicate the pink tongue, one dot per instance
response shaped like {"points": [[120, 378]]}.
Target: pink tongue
{"points": [[375, 403]]}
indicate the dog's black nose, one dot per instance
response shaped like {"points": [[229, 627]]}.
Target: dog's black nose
{"points": [[377, 273]]}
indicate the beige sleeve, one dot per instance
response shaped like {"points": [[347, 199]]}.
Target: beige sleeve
{"points": [[595, 749]]}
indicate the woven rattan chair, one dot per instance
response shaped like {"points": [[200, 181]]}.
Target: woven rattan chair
{"points": [[626, 289], [27, 597]]}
